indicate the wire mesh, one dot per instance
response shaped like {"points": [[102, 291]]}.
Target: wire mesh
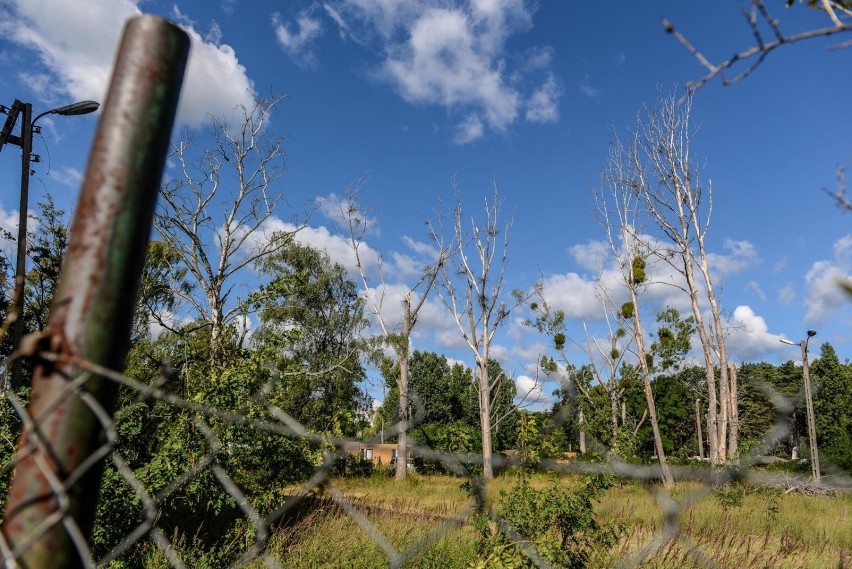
{"points": [[260, 520]]}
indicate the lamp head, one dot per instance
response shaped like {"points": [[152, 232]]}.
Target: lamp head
{"points": [[811, 333], [79, 108]]}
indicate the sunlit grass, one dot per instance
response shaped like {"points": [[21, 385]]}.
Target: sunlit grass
{"points": [[431, 514]]}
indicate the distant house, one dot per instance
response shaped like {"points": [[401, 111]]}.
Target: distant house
{"points": [[377, 453]]}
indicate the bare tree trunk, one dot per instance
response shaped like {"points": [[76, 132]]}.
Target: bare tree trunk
{"points": [[402, 357], [623, 412], [358, 227], [485, 420], [665, 473], [734, 433], [668, 183], [716, 315], [709, 367], [472, 291], [581, 421], [698, 428], [613, 399]]}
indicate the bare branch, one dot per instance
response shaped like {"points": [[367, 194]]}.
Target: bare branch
{"points": [[762, 48]]}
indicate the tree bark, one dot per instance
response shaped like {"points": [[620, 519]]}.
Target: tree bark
{"points": [[581, 421], [698, 428], [734, 433], [485, 420], [665, 473], [613, 399]]}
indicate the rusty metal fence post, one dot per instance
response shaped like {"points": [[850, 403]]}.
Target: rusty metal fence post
{"points": [[52, 499]]}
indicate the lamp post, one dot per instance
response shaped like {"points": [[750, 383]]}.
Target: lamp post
{"points": [[809, 404], [25, 141]]}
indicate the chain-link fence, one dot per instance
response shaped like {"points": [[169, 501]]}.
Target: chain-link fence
{"points": [[38, 448]]}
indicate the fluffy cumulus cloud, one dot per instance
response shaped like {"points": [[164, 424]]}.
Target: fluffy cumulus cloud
{"points": [[453, 54], [823, 295], [297, 38], [529, 391], [75, 43], [749, 338], [574, 295]]}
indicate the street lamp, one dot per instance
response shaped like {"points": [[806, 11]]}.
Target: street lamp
{"points": [[809, 404], [25, 141]]}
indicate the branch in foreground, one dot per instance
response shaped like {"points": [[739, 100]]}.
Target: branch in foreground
{"points": [[762, 48]]}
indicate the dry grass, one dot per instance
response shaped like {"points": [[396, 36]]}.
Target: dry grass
{"points": [[766, 530]]}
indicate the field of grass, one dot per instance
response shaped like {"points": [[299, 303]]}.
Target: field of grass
{"points": [[431, 514]]}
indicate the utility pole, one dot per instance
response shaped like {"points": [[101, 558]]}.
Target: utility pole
{"points": [[25, 141], [809, 405]]}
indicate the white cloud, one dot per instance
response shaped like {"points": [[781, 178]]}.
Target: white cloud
{"points": [[470, 129], [298, 38], [228, 6], [66, 176], [749, 338], [453, 54], [421, 248], [338, 19], [786, 295], [591, 255], [823, 296], [538, 58], [573, 295], [529, 391], [754, 287], [740, 256], [587, 89], [8, 225], [76, 41], [543, 105], [406, 266]]}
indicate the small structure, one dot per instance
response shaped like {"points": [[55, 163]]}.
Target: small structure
{"points": [[377, 453]]}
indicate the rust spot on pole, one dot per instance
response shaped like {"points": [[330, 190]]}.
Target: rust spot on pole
{"points": [[53, 489]]}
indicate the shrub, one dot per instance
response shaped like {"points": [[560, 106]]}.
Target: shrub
{"points": [[558, 522]]}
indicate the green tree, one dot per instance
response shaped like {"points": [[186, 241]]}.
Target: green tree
{"points": [[833, 407], [311, 324], [46, 249]]}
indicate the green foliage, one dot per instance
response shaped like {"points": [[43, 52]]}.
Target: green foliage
{"points": [[832, 404], [730, 495], [637, 271], [538, 438], [559, 341], [558, 522], [304, 361], [627, 310], [672, 341]]}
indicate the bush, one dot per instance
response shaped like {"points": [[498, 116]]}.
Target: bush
{"points": [[353, 466], [558, 522]]}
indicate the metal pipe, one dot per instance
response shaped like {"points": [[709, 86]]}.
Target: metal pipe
{"points": [[52, 498]]}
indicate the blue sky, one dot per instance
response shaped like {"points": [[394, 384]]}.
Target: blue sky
{"points": [[411, 94]]}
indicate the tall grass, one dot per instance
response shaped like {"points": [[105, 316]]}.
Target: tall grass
{"points": [[762, 529]]}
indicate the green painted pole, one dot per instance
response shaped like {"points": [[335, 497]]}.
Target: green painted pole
{"points": [[53, 496]]}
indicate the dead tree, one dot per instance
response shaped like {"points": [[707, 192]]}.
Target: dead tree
{"points": [[665, 179], [471, 287], [398, 341], [213, 215], [617, 211]]}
